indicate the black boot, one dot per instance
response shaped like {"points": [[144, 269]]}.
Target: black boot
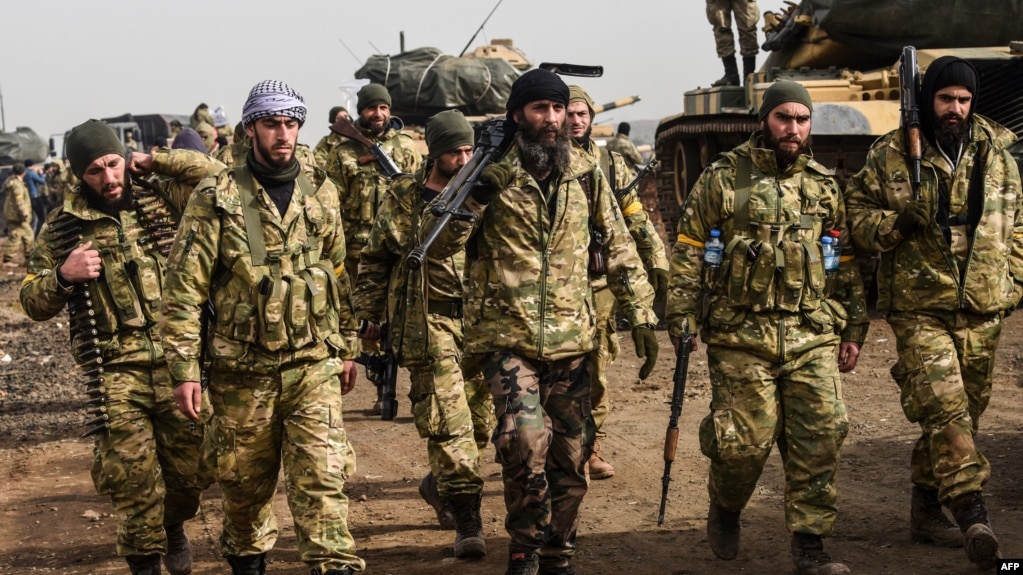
{"points": [[749, 66], [810, 559], [469, 540], [144, 564], [979, 540], [731, 77], [428, 491], [178, 559], [927, 522], [346, 570], [247, 564], [723, 531]]}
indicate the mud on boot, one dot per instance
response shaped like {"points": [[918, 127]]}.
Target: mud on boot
{"points": [[809, 558], [469, 541], [144, 564], [247, 564], [178, 559], [928, 523], [979, 539], [441, 505], [723, 531]]}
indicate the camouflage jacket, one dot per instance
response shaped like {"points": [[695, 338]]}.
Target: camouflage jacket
{"points": [[921, 273], [325, 152], [771, 295], [290, 303], [384, 277], [238, 151], [529, 287], [622, 145], [126, 297], [361, 183], [17, 205]]}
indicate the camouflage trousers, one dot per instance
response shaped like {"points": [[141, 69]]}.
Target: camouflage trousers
{"points": [[606, 351], [20, 239], [944, 374], [292, 418], [452, 410], [719, 14], [543, 437], [150, 462], [753, 400]]}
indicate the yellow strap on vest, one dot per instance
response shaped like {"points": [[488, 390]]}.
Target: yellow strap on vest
{"points": [[684, 239], [633, 208]]}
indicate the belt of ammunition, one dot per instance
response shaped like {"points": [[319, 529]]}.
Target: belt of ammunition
{"points": [[96, 391], [94, 362], [93, 372], [98, 429], [98, 419], [98, 400], [91, 352]]}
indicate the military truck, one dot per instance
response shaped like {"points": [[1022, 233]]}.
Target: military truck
{"points": [[846, 53]]}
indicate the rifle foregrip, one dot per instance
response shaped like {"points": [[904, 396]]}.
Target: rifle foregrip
{"points": [[670, 443]]}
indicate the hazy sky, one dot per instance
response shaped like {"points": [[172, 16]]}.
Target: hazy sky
{"points": [[64, 61]]}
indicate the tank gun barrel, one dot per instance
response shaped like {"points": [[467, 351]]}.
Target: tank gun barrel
{"points": [[616, 104]]}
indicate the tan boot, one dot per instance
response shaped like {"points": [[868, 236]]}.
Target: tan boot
{"points": [[927, 522], [597, 467]]}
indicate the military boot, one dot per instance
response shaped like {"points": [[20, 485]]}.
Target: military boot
{"points": [[144, 564], [723, 531], [596, 466], [469, 540], [247, 564], [810, 559], [749, 66], [731, 77], [979, 540], [441, 505], [927, 522], [346, 570], [522, 563], [559, 570], [178, 559]]}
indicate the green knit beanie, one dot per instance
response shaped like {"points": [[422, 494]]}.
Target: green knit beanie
{"points": [[781, 92], [371, 94], [446, 131], [577, 94], [88, 141]]}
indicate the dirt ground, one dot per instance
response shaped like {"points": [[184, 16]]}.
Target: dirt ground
{"points": [[51, 520]]}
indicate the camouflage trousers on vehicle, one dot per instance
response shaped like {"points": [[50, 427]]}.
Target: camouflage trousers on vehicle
{"points": [[543, 437], [151, 461], [20, 239], [292, 418], [944, 373], [753, 400], [606, 352], [452, 410], [719, 14]]}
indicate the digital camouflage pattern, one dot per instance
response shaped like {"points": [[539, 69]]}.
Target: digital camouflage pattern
{"points": [[362, 184], [149, 459], [945, 302], [326, 155], [746, 12], [18, 213], [623, 146], [771, 327]]}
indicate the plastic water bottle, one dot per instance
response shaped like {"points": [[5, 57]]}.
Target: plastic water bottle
{"points": [[836, 242], [830, 255], [713, 249]]}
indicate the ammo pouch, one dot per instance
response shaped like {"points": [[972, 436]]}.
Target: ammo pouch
{"points": [[760, 276]]}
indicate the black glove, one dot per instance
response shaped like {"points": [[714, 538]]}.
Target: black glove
{"points": [[659, 281], [646, 346], [913, 218], [495, 177]]}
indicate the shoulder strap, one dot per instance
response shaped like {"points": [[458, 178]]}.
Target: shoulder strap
{"points": [[250, 211], [743, 181]]}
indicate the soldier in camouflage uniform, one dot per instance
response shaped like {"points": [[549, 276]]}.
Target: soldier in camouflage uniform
{"points": [[325, 151], [18, 213], [773, 320], [579, 117], [529, 314], [147, 454], [201, 115], [719, 14], [265, 246], [454, 414], [951, 268], [622, 145]]}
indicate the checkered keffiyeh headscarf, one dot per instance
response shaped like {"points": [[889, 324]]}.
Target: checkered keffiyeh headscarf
{"points": [[273, 98]]}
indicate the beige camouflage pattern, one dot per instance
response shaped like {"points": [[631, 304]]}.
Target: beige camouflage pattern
{"points": [[326, 152], [235, 154], [746, 12], [623, 146], [18, 213]]}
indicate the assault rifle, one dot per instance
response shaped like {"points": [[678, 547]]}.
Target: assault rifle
{"points": [[909, 87], [494, 139], [345, 127], [635, 181], [677, 395], [382, 370]]}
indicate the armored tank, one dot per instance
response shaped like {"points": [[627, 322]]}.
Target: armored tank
{"points": [[845, 52]]}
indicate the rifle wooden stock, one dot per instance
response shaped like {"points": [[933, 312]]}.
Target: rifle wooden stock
{"points": [[909, 88], [346, 128], [678, 392]]}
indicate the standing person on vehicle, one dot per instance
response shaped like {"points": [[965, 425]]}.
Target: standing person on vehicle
{"points": [[746, 12], [579, 119], [529, 316], [266, 247], [147, 454], [951, 269], [748, 269]]}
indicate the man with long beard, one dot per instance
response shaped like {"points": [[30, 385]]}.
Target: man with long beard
{"points": [[773, 318], [147, 455], [265, 246], [529, 316], [951, 269]]}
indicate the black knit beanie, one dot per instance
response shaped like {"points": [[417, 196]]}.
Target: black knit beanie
{"points": [[537, 84], [624, 128], [335, 111], [88, 141], [943, 72]]}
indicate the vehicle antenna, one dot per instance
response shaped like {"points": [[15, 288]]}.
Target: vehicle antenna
{"points": [[379, 51], [480, 29], [357, 59], [3, 118]]}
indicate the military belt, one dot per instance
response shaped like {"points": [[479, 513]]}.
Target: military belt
{"points": [[452, 309]]}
